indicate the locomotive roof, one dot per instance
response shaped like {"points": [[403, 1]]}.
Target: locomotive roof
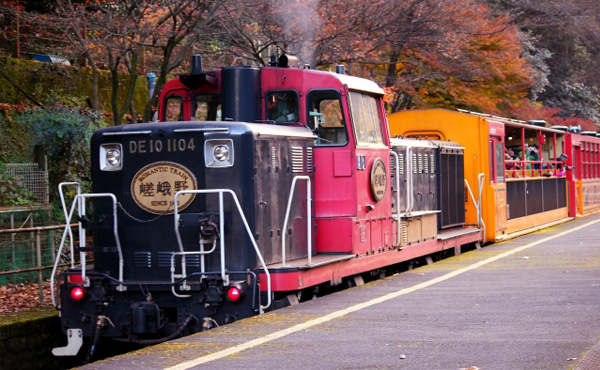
{"points": [[207, 126], [357, 83], [353, 82]]}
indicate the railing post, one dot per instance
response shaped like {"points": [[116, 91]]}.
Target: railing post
{"points": [[39, 265]]}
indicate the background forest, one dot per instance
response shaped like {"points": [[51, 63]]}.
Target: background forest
{"points": [[519, 58], [524, 59]]}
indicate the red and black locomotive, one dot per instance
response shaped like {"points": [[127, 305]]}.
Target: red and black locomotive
{"points": [[255, 185]]}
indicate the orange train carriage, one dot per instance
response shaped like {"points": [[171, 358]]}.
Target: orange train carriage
{"points": [[524, 176]]}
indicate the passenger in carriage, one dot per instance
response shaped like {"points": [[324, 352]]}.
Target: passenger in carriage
{"points": [[509, 155], [533, 156], [562, 167]]}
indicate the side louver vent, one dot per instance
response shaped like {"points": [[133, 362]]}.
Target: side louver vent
{"points": [[300, 163], [273, 157], [309, 160], [164, 260], [297, 159]]}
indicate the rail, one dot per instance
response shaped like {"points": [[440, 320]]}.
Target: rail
{"points": [[529, 169], [409, 182], [477, 203], [224, 276], [308, 216], [38, 252], [397, 215], [79, 202], [63, 203]]}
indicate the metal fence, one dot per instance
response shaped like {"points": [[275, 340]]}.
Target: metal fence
{"points": [[35, 179], [27, 247], [32, 250]]}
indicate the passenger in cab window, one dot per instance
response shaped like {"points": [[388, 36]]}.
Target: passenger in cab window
{"points": [[282, 106]]}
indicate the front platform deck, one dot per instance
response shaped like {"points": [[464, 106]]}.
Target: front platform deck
{"points": [[298, 274]]}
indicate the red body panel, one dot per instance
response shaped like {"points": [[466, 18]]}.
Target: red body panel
{"points": [[349, 218], [303, 278]]}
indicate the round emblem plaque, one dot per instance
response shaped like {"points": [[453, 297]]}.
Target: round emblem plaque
{"points": [[378, 179], [153, 187]]}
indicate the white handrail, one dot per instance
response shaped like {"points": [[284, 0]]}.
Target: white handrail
{"points": [[477, 203], [80, 198], [184, 273], [65, 212], [409, 180], [224, 276], [397, 215], [308, 216]]}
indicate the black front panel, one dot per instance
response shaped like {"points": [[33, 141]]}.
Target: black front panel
{"points": [[451, 192], [534, 196], [146, 228], [550, 199], [561, 192], [515, 198], [529, 197]]}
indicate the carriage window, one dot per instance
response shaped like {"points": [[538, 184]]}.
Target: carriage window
{"points": [[499, 162], [173, 109], [325, 117], [282, 106], [207, 108], [366, 118]]}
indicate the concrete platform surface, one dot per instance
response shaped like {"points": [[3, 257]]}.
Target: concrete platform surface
{"points": [[527, 303]]}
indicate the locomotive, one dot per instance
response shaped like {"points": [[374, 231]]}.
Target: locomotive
{"points": [[256, 185]]}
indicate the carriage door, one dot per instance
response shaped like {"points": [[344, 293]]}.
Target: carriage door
{"points": [[496, 153], [577, 175]]}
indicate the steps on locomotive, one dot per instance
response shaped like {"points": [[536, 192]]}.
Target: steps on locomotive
{"points": [[456, 232], [316, 261]]}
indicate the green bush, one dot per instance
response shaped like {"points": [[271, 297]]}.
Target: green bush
{"points": [[64, 133], [13, 192]]}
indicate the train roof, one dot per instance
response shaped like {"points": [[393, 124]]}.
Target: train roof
{"points": [[423, 143], [257, 129], [357, 83]]}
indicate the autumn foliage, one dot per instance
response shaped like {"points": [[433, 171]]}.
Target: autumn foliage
{"points": [[451, 54]]}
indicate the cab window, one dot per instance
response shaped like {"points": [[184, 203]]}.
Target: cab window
{"points": [[207, 107], [173, 109], [325, 117], [366, 119], [282, 106]]}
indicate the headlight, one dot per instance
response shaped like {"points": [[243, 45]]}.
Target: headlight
{"points": [[110, 157], [113, 156], [218, 153], [221, 153]]}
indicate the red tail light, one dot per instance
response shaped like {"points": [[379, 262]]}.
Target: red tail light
{"points": [[234, 293], [77, 293]]}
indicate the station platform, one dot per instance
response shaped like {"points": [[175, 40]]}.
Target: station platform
{"points": [[527, 303]]}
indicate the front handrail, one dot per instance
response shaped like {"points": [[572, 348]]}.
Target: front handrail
{"points": [[65, 212], [308, 216], [397, 215], [480, 222], [220, 192], [79, 201]]}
